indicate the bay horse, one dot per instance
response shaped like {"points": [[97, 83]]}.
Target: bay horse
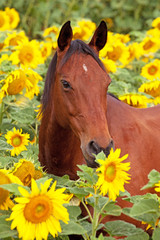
{"points": [[80, 119]]}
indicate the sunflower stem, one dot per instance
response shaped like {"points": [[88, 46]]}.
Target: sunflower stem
{"points": [[89, 214], [1, 115], [95, 217]]}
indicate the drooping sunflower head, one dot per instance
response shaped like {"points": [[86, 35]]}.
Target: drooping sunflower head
{"points": [[24, 170], [112, 174], [39, 212], [18, 140]]}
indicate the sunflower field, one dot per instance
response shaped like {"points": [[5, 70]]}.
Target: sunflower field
{"points": [[38, 205]]}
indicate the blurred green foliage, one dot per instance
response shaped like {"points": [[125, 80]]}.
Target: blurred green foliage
{"points": [[127, 15]]}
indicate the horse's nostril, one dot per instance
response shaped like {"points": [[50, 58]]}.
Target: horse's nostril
{"points": [[93, 147]]}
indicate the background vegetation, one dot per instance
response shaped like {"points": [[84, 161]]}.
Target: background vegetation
{"points": [[126, 15]]}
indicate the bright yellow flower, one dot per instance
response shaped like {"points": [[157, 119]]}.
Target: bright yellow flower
{"points": [[14, 38], [15, 82], [135, 51], [39, 213], [109, 65], [154, 32], [124, 38], [46, 49], [152, 88], [18, 140], [24, 170], [27, 53], [157, 187], [4, 21], [156, 23], [151, 71], [112, 174], [6, 178], [14, 18], [118, 53], [32, 88], [51, 30], [150, 45], [135, 100], [39, 110], [84, 29]]}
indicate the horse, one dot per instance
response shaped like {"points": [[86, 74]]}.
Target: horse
{"points": [[81, 119]]}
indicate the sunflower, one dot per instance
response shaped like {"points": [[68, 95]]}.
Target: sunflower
{"points": [[27, 53], [51, 30], [84, 29], [14, 18], [135, 100], [156, 23], [6, 178], [118, 53], [24, 170], [149, 45], [112, 174], [14, 38], [152, 88], [18, 140], [39, 213], [46, 49], [14, 83], [151, 71], [4, 21]]}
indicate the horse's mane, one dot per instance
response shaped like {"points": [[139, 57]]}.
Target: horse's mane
{"points": [[76, 46]]}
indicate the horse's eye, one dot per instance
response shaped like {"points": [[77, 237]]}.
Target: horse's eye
{"points": [[66, 84]]}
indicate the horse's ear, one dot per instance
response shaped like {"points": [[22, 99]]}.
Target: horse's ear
{"points": [[65, 36], [99, 38]]}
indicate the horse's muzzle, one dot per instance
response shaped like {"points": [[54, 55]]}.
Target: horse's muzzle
{"points": [[93, 149]]}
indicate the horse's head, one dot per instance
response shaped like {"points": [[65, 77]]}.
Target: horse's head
{"points": [[80, 91]]}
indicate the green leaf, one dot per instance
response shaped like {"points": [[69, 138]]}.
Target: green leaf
{"points": [[87, 174], [23, 116], [112, 209], [154, 177], [5, 230], [121, 228], [156, 234], [74, 212], [72, 228], [4, 145], [13, 188], [146, 210]]}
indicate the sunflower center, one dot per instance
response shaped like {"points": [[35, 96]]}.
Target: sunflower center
{"points": [[110, 172], [16, 141], [152, 70], [158, 26], [38, 209], [29, 57], [115, 54], [148, 45]]}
